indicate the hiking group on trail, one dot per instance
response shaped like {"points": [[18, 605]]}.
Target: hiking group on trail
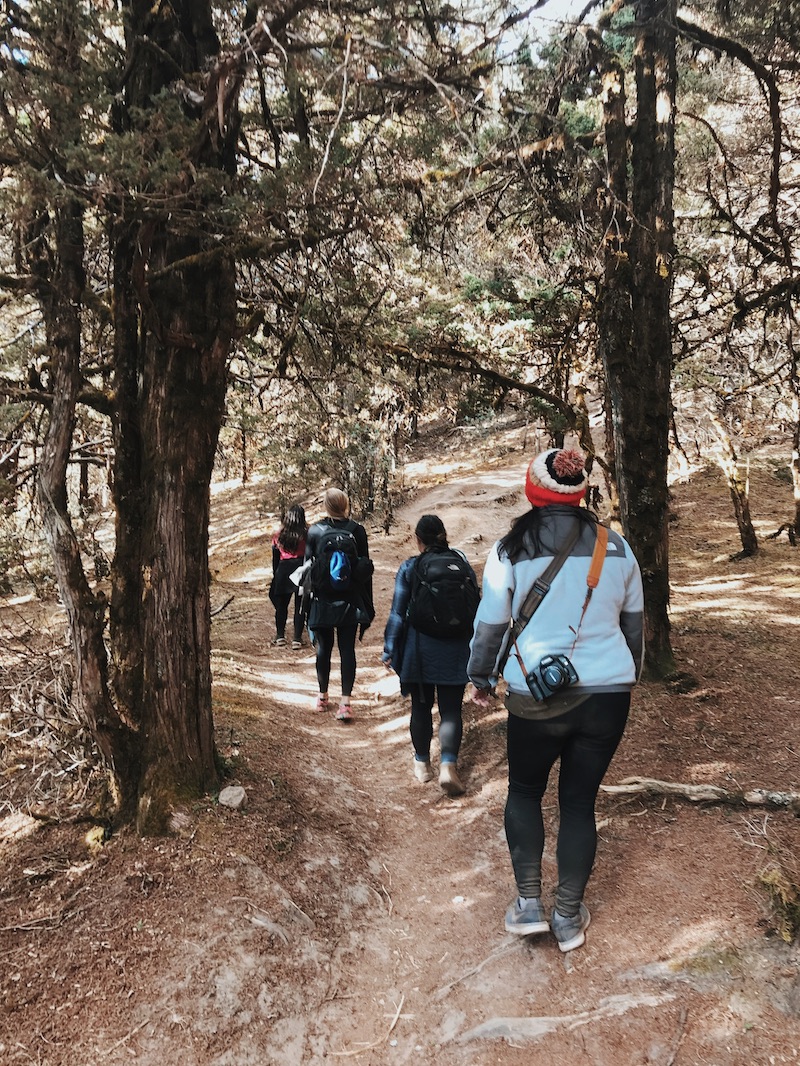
{"points": [[559, 618]]}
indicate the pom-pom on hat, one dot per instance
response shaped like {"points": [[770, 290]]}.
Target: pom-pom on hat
{"points": [[557, 476]]}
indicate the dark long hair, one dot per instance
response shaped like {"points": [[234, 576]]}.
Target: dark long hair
{"points": [[431, 532], [294, 528], [524, 532]]}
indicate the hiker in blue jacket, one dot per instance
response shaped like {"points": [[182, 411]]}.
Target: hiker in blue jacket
{"points": [[429, 667], [339, 613], [582, 719]]}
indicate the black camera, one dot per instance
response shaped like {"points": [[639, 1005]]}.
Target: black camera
{"points": [[554, 672]]}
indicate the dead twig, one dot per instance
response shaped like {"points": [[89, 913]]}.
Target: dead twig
{"points": [[376, 1043], [125, 1038], [470, 973], [679, 1039]]}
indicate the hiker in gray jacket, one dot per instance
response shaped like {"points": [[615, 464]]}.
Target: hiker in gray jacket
{"points": [[569, 674]]}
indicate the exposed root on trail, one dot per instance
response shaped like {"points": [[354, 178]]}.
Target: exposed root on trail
{"points": [[756, 797]]}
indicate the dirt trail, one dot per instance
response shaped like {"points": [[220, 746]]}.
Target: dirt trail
{"points": [[352, 914]]}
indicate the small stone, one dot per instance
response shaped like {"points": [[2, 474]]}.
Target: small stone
{"points": [[233, 796]]}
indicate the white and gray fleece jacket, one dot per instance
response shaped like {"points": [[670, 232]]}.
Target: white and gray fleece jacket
{"points": [[610, 646]]}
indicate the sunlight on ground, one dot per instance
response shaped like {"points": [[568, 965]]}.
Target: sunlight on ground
{"points": [[16, 601], [218, 487], [261, 574], [385, 686], [693, 938], [710, 771], [738, 596], [16, 826], [424, 469], [393, 724]]}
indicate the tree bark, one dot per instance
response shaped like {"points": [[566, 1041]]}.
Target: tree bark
{"points": [[794, 379], [739, 490], [634, 324], [59, 269], [174, 317], [54, 249], [174, 306]]}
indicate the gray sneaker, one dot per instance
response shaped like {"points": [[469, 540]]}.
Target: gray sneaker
{"points": [[570, 932], [526, 917]]}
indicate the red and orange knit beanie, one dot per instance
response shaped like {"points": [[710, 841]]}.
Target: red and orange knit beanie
{"points": [[556, 476]]}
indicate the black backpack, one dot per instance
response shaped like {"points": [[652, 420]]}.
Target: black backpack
{"points": [[444, 595], [333, 571]]}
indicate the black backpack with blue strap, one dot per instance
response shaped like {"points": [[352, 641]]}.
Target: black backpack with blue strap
{"points": [[444, 594]]}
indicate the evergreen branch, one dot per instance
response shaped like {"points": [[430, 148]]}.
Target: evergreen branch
{"points": [[768, 84], [451, 357], [775, 298]]}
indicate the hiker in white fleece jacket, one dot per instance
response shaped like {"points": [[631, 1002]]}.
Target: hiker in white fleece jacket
{"points": [[582, 722]]}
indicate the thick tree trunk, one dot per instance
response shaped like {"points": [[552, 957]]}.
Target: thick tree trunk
{"points": [[174, 310], [634, 314], [60, 289], [170, 393]]}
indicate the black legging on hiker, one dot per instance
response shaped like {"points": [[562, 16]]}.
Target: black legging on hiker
{"points": [[347, 653], [450, 698], [281, 604], [585, 738]]}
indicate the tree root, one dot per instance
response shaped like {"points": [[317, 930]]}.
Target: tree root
{"points": [[756, 797]]}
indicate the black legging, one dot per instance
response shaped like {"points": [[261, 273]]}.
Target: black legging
{"points": [[281, 604], [450, 698], [347, 654], [585, 739]]}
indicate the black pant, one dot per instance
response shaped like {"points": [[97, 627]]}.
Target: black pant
{"points": [[585, 740], [347, 653], [450, 698], [281, 604]]}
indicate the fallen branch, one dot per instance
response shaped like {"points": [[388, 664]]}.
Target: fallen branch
{"points": [[791, 533], [222, 606], [756, 797]]}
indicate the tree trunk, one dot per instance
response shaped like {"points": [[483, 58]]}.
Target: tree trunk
{"points": [[174, 312], [794, 379], [54, 248], [174, 306], [170, 390], [739, 490], [634, 315], [60, 275]]}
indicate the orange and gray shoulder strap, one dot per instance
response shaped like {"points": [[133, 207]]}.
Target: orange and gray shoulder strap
{"points": [[598, 556], [593, 577]]}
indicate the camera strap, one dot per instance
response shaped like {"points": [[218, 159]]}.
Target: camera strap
{"points": [[542, 586], [593, 577]]}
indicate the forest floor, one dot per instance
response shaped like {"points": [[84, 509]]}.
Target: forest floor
{"points": [[349, 913]]}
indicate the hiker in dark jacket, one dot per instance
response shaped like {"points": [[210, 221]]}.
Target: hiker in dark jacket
{"points": [[339, 615], [288, 551], [430, 668]]}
